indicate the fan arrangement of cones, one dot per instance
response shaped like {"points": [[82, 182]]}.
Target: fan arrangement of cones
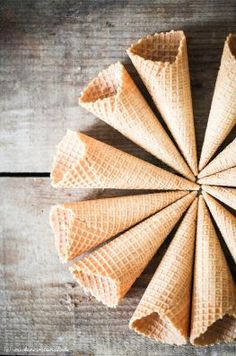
{"points": [[192, 295]]}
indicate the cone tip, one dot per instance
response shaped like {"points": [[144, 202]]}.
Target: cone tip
{"points": [[205, 195], [195, 201], [202, 173], [200, 199], [202, 162], [205, 187], [195, 186]]}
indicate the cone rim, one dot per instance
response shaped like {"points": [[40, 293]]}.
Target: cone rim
{"points": [[163, 64], [57, 177], [231, 43], [119, 72], [162, 317], [205, 330], [76, 269], [62, 252]]}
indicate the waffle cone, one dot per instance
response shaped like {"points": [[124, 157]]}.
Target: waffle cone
{"points": [[225, 195], [225, 221], [78, 227], [214, 297], [226, 159], [164, 310], [83, 162], [222, 116], [225, 178], [162, 62], [115, 99], [109, 272]]}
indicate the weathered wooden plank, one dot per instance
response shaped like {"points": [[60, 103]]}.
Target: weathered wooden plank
{"points": [[49, 50], [42, 310]]}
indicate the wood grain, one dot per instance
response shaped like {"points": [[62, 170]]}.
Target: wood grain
{"points": [[49, 50], [42, 309]]}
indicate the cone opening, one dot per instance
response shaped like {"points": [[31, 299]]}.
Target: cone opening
{"points": [[221, 330], [105, 85], [161, 47], [103, 288], [69, 152], [158, 328], [60, 221], [232, 44]]}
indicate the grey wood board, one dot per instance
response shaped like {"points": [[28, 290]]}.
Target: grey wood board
{"points": [[49, 50], [42, 309]]}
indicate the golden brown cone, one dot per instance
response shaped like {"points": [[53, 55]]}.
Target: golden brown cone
{"points": [[226, 159], [83, 162], [222, 117], [109, 272], [162, 62], [226, 195], [224, 178], [78, 227], [225, 221], [214, 294], [164, 310], [115, 99]]}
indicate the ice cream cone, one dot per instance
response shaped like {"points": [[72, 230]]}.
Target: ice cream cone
{"points": [[162, 62], [164, 310], [226, 159], [214, 294], [225, 221], [226, 195], [83, 162], [78, 227], [115, 99], [222, 116], [225, 178], [109, 272]]}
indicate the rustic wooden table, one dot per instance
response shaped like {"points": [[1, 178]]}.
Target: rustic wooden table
{"points": [[49, 50]]}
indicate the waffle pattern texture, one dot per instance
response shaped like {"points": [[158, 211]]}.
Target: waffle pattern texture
{"points": [[222, 116], [108, 242], [83, 162], [214, 293], [115, 99], [78, 227], [162, 62], [164, 310], [225, 220], [225, 195], [109, 272], [225, 159], [224, 178]]}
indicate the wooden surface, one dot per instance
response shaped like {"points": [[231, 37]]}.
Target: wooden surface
{"points": [[49, 50], [42, 309]]}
